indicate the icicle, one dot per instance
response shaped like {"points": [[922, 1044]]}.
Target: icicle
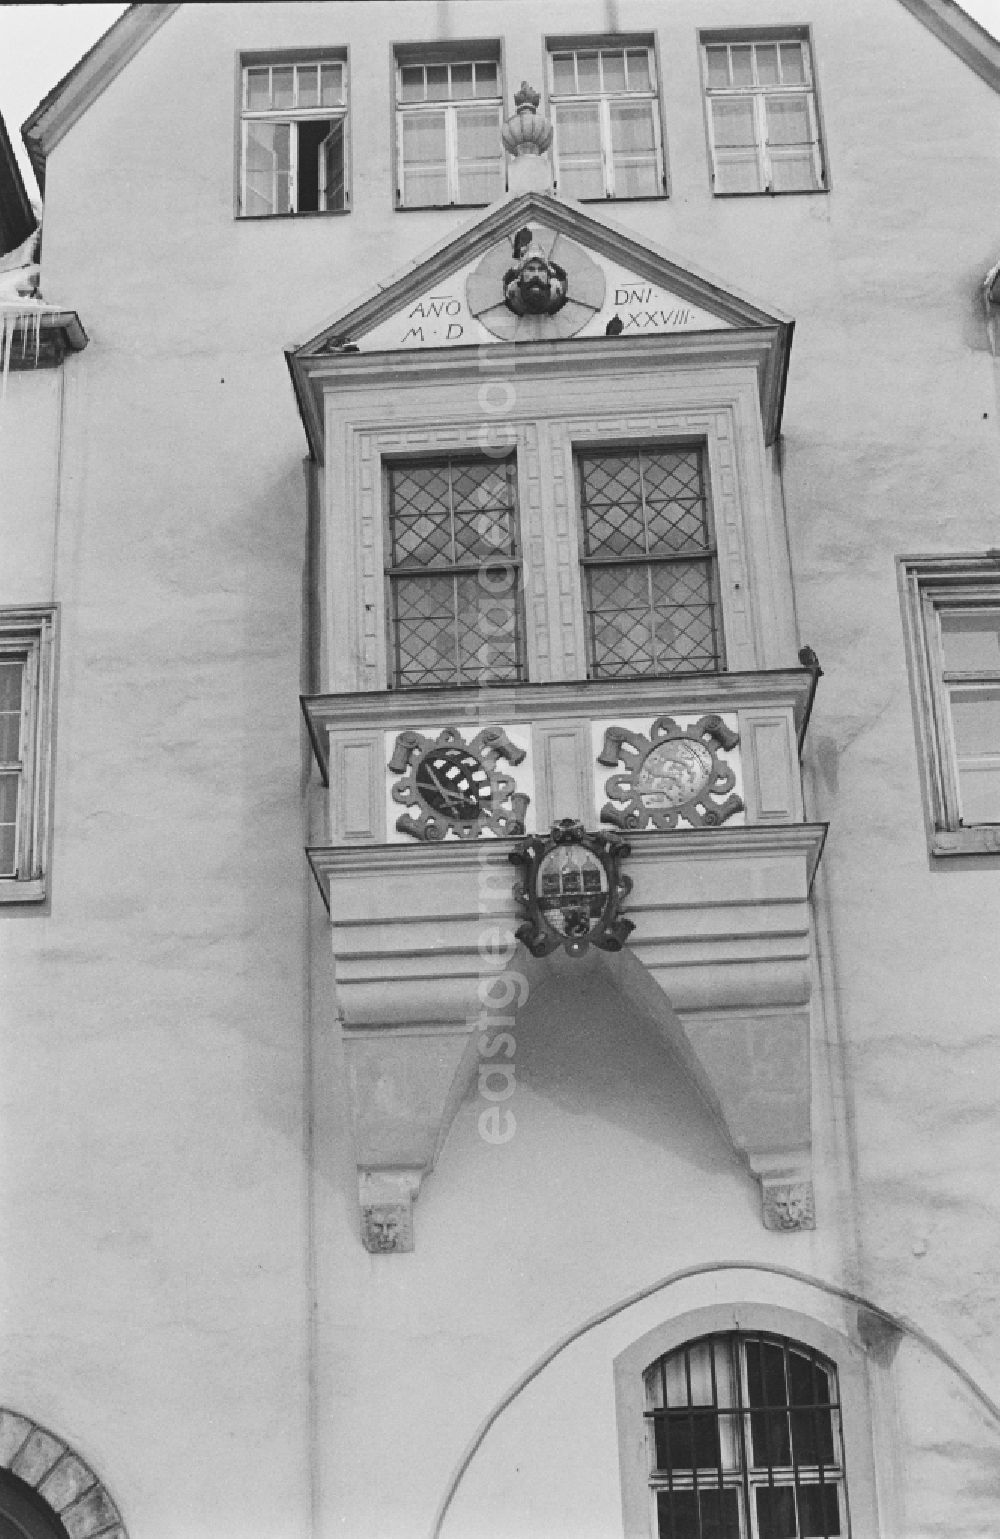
{"points": [[27, 315]]}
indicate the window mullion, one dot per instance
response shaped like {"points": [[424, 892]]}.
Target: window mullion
{"points": [[941, 698], [737, 1367], [451, 151], [763, 148]]}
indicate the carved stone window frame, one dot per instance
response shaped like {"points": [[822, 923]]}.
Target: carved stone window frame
{"points": [[554, 407], [796, 1327], [931, 586]]}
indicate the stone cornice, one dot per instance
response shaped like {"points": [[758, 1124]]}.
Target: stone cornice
{"points": [[619, 699], [766, 349], [455, 858]]}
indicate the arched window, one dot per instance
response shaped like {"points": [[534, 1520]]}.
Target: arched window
{"points": [[745, 1440], [23, 1513]]}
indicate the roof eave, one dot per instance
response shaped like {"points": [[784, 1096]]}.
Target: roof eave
{"points": [[69, 99], [952, 26], [17, 217]]}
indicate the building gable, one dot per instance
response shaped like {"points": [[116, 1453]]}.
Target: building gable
{"points": [[605, 284]]}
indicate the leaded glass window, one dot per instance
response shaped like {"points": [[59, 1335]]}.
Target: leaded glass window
{"points": [[745, 1441], [606, 116], [454, 573], [762, 117], [651, 601], [294, 155], [448, 117]]}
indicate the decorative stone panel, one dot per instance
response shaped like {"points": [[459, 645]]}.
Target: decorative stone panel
{"points": [[65, 1483]]}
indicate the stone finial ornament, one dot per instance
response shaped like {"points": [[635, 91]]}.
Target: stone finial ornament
{"points": [[526, 133]]}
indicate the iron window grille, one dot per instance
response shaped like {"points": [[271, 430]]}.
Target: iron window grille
{"points": [[448, 120], [605, 112], [454, 573], [745, 1441], [294, 137], [762, 117], [952, 604], [650, 574]]}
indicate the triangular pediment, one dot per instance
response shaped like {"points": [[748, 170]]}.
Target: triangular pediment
{"points": [[534, 269], [464, 292]]}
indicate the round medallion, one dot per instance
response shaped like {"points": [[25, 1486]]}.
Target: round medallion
{"points": [[453, 783], [572, 889], [674, 772]]}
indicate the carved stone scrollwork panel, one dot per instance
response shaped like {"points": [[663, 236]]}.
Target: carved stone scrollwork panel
{"points": [[455, 787], [674, 773]]}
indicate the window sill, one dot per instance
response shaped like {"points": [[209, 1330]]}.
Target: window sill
{"points": [[14, 891], [788, 192], [431, 208], [645, 197], [312, 213], [981, 839]]}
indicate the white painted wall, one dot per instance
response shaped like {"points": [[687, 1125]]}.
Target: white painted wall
{"points": [[164, 1258]]}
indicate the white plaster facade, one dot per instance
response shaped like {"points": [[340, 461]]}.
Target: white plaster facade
{"points": [[188, 1304]]}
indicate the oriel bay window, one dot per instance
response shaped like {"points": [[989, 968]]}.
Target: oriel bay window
{"points": [[454, 572], [606, 116], [650, 578], [762, 115], [448, 116], [294, 131], [745, 1441]]}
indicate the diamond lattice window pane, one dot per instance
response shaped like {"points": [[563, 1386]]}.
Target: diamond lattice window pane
{"points": [[463, 627], [648, 616], [685, 618], [421, 542], [424, 627], [420, 489], [488, 625]]}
